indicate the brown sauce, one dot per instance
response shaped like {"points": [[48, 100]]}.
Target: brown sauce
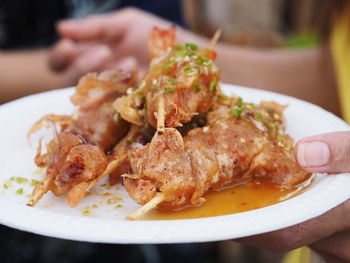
{"points": [[237, 199]]}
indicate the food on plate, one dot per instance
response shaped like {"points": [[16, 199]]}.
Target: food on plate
{"points": [[241, 142], [170, 138], [182, 79], [76, 157]]}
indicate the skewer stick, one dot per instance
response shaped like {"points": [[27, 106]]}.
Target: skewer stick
{"points": [[40, 190], [214, 39], [156, 200], [160, 116], [108, 170], [78, 192]]}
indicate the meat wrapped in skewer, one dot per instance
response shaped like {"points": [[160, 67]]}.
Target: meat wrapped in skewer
{"points": [[241, 142], [95, 114], [76, 157], [72, 163], [119, 160], [182, 77]]}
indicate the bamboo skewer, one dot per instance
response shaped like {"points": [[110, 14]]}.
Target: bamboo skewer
{"points": [[40, 190], [160, 116], [160, 197], [215, 39], [156, 200]]}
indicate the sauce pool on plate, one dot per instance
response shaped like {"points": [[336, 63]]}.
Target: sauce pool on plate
{"points": [[241, 198]]}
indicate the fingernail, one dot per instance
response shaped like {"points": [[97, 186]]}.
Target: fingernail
{"points": [[313, 154]]}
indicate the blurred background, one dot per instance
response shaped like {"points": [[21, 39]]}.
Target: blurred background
{"points": [[30, 24]]}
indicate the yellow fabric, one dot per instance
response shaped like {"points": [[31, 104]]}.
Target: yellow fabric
{"points": [[340, 47], [300, 255]]}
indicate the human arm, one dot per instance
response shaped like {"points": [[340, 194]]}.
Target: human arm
{"points": [[23, 73]]}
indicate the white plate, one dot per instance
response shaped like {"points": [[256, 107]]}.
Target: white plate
{"points": [[52, 217]]}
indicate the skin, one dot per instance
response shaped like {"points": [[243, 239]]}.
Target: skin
{"points": [[24, 73]]}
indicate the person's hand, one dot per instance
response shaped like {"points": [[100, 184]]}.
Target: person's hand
{"points": [[114, 40], [328, 234]]}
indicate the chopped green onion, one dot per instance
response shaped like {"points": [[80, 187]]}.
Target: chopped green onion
{"points": [[239, 102], [200, 60], [34, 182], [19, 191], [236, 112], [19, 180], [94, 206], [260, 117], [187, 69], [190, 54], [169, 90], [191, 46], [272, 125], [179, 47], [212, 85], [118, 206], [169, 64], [197, 87], [86, 212], [222, 96], [171, 81]]}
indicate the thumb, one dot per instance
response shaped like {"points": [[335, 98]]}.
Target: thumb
{"points": [[325, 153]]}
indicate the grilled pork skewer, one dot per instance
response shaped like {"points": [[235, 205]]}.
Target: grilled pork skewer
{"points": [[182, 75], [76, 157], [235, 147]]}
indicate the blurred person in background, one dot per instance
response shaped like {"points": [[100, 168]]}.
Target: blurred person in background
{"points": [[313, 75], [27, 30]]}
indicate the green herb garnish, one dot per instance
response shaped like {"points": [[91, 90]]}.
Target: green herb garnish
{"points": [[171, 81], [200, 60], [169, 90], [34, 182], [179, 47], [239, 102], [260, 117], [212, 85], [19, 180], [187, 69], [191, 46], [19, 191], [197, 87], [222, 96], [86, 212], [236, 112], [169, 64]]}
